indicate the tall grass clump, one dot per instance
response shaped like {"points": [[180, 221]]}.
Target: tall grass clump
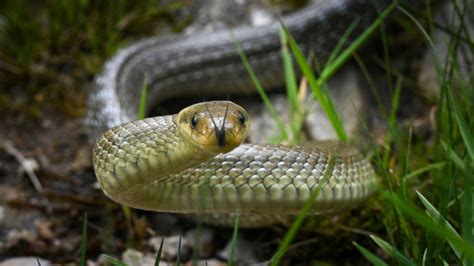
{"points": [[428, 195], [297, 113], [426, 186]]}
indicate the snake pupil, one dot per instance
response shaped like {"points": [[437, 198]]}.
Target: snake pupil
{"points": [[241, 119], [193, 121]]}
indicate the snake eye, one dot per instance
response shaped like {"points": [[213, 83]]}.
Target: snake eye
{"points": [[242, 118], [194, 121]]}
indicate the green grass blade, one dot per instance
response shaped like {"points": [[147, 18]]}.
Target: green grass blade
{"points": [[369, 79], [392, 251], [127, 212], [197, 237], [340, 43], [235, 235], [468, 199], [320, 93], [346, 54], [158, 254], [423, 259], [392, 121], [467, 137], [294, 110], [455, 200], [427, 223], [178, 255], [114, 261], [430, 42], [455, 158], [468, 212], [143, 99], [290, 77], [369, 255], [259, 87], [83, 248], [445, 263], [291, 233], [434, 213], [428, 168]]}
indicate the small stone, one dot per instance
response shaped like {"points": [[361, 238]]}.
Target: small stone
{"points": [[170, 246], [206, 241], [211, 262], [244, 253], [25, 261], [133, 257]]}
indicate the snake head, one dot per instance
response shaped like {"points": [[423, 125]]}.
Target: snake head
{"points": [[216, 126]]}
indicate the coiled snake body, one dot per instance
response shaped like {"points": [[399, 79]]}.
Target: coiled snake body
{"points": [[155, 164], [182, 163]]}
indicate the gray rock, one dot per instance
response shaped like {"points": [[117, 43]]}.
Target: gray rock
{"points": [[204, 238], [244, 253], [170, 246], [25, 261], [133, 257]]}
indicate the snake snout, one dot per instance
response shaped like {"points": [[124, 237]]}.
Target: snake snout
{"points": [[226, 132], [222, 129], [218, 126], [219, 131], [220, 135]]}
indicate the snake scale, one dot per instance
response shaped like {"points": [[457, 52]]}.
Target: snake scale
{"points": [[151, 164]]}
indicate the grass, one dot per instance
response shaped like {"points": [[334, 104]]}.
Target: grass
{"points": [[234, 240], [421, 235], [50, 49], [423, 210], [415, 235]]}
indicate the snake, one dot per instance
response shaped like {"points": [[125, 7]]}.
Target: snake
{"points": [[194, 161]]}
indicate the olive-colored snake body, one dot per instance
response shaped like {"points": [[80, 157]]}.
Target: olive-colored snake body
{"points": [[149, 164], [179, 164]]}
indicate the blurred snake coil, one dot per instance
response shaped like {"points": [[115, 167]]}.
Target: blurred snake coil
{"points": [[150, 164]]}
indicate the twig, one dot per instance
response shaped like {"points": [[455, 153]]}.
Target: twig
{"points": [[25, 164]]}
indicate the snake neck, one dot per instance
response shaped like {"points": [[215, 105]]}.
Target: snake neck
{"points": [[161, 151]]}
